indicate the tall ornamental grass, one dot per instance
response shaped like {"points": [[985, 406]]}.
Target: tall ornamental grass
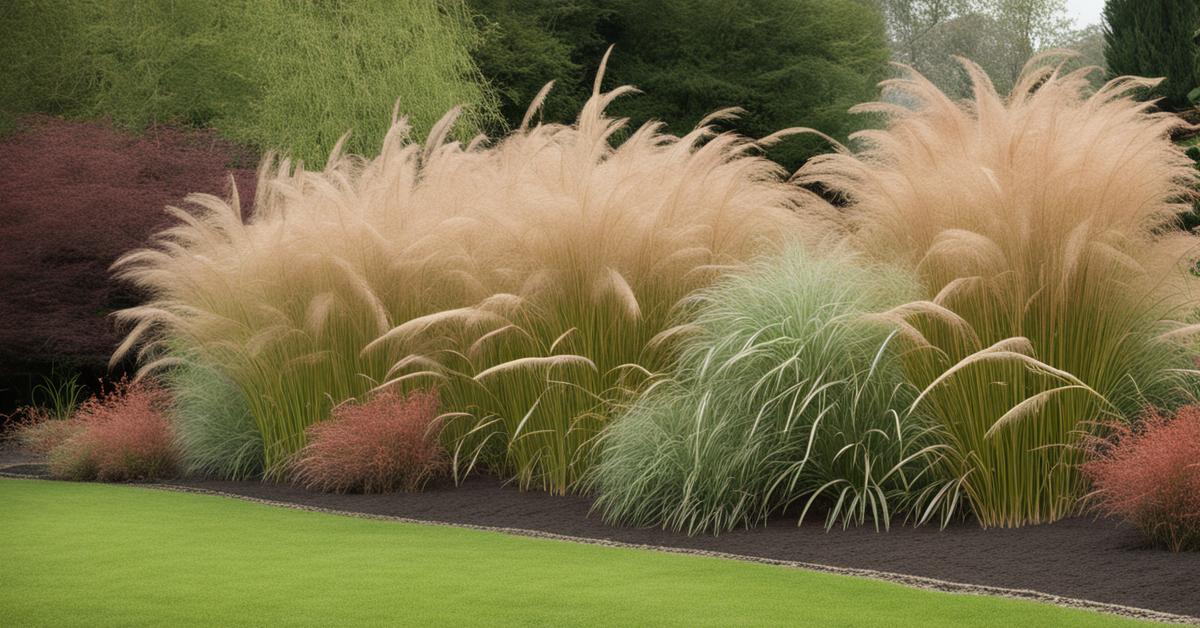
{"points": [[787, 394], [1055, 288], [528, 280]]}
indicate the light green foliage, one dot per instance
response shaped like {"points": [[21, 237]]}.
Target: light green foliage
{"points": [[786, 393], [155, 558], [212, 423], [274, 74], [45, 68]]}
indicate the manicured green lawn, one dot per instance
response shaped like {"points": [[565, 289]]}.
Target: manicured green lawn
{"points": [[90, 554]]}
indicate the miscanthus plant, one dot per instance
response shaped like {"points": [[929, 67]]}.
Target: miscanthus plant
{"points": [[786, 393], [528, 280], [1055, 286]]}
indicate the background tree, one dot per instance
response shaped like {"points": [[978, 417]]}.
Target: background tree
{"points": [[1028, 27], [527, 43], [1154, 38], [914, 25], [786, 62], [1000, 35]]}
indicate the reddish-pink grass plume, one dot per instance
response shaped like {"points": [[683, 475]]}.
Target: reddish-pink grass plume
{"points": [[385, 444], [1150, 477], [120, 436]]}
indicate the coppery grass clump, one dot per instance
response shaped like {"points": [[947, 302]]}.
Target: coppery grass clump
{"points": [[385, 444], [1150, 477], [117, 436]]}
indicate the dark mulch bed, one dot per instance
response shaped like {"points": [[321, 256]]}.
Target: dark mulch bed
{"points": [[1079, 558], [10, 454]]}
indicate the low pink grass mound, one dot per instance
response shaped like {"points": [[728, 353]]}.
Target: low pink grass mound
{"points": [[388, 443], [39, 433], [120, 436], [1150, 477]]}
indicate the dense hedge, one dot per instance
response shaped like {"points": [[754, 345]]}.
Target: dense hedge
{"points": [[786, 62], [76, 195], [1154, 38]]}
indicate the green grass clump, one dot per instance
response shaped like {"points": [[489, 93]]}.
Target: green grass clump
{"points": [[274, 74], [212, 422], [528, 280], [88, 555], [1055, 288], [786, 392]]}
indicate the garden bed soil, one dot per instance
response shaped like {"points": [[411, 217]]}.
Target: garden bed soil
{"points": [[11, 454], [1081, 558]]}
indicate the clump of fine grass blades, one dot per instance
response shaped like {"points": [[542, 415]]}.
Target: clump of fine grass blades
{"points": [[384, 444], [274, 74], [786, 393], [527, 279], [211, 421], [1041, 226]]}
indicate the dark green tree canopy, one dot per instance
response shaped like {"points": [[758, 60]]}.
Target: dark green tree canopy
{"points": [[786, 62], [1155, 38], [527, 43]]}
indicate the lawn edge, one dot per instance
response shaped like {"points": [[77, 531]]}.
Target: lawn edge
{"points": [[917, 582]]}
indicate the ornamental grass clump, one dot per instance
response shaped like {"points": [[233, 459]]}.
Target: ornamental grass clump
{"points": [[1041, 227], [211, 420], [1149, 476], [385, 444], [786, 393], [528, 279], [40, 432], [121, 435]]}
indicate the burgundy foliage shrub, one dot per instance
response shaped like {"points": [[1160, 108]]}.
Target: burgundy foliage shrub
{"points": [[74, 196], [388, 443], [1150, 477], [123, 435]]}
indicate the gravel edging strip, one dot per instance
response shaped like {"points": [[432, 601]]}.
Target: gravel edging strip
{"points": [[919, 582]]}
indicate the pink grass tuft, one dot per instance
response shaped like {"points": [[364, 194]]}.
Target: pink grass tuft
{"points": [[120, 436], [388, 443], [1150, 477]]}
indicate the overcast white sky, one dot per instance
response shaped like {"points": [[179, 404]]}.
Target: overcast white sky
{"points": [[1085, 12]]}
